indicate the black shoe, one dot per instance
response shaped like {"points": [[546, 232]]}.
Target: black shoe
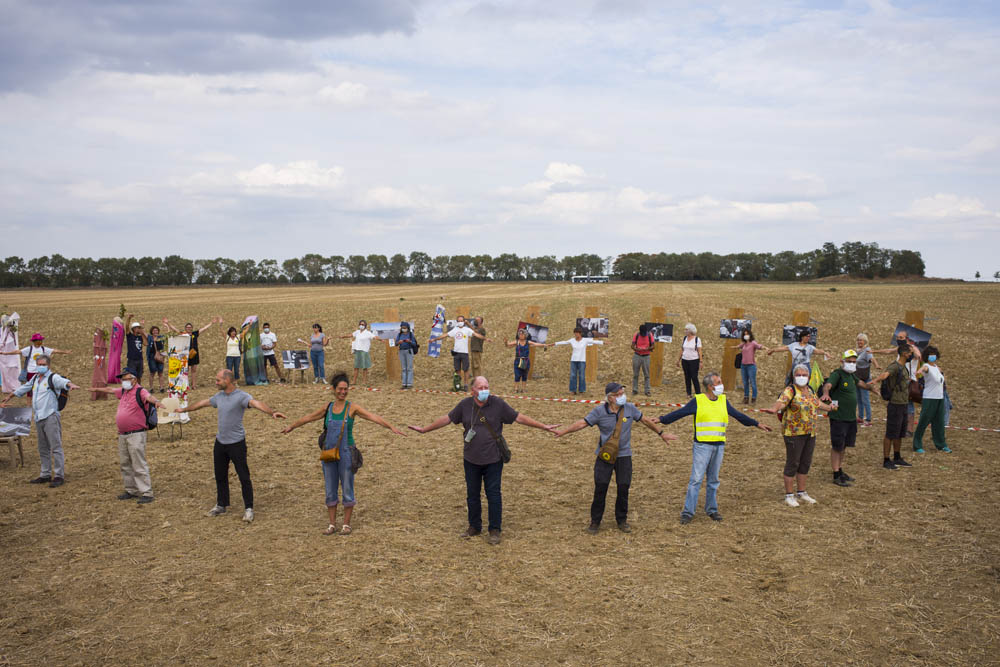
{"points": [[126, 496], [40, 480], [593, 528], [715, 516], [56, 481], [648, 394], [840, 480], [624, 527], [471, 532], [900, 463], [889, 465], [686, 519], [145, 500], [844, 476]]}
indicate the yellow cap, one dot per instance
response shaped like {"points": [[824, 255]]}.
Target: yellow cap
{"points": [[850, 353]]}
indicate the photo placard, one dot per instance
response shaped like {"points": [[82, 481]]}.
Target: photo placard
{"points": [[733, 328], [914, 335], [536, 332], [790, 334], [296, 360], [594, 327], [663, 332]]}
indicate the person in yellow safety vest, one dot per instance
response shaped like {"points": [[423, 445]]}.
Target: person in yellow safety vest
{"points": [[711, 412]]}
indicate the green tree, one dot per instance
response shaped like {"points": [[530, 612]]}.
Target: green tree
{"points": [[314, 266], [397, 268], [356, 265], [828, 263], [507, 266], [420, 266], [378, 267]]}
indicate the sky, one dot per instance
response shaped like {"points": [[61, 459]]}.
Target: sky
{"points": [[273, 128]]}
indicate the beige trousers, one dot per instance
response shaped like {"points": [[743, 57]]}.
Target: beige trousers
{"points": [[135, 469]]}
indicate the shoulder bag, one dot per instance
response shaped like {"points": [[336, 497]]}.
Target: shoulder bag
{"points": [[501, 442], [609, 450]]}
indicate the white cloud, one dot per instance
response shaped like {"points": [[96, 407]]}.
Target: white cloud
{"points": [[346, 93], [304, 173], [558, 172], [948, 206], [980, 145]]}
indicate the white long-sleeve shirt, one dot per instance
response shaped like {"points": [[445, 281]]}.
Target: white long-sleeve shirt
{"points": [[580, 347]]}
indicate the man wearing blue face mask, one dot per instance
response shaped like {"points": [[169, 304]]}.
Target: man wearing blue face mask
{"points": [[614, 419], [482, 417], [45, 388]]}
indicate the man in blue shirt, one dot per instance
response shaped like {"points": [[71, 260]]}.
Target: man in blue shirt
{"points": [[711, 412], [45, 404], [613, 418]]}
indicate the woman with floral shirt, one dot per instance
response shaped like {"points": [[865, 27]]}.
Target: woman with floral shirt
{"points": [[797, 409]]}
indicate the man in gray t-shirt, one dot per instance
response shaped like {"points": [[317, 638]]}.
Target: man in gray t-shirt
{"points": [[231, 439], [606, 417]]}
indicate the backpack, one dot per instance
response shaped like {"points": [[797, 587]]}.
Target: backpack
{"points": [[649, 339], [62, 396], [148, 409], [885, 389]]}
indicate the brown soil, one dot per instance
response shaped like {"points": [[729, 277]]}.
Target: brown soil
{"points": [[903, 568]]}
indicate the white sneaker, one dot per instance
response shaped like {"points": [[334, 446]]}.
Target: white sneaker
{"points": [[806, 498], [791, 501], [217, 510], [248, 515], [315, 380]]}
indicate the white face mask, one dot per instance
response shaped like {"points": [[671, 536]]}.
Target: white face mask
{"points": [[850, 366], [267, 330], [621, 400], [801, 380], [747, 338], [126, 384], [361, 327], [719, 389]]}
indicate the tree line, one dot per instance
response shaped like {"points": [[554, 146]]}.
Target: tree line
{"points": [[864, 260]]}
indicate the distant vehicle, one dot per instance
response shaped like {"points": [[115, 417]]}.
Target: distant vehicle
{"points": [[590, 279]]}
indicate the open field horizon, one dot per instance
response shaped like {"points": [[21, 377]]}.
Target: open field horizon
{"points": [[901, 568]]}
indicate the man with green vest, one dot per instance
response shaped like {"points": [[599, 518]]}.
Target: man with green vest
{"points": [[711, 412]]}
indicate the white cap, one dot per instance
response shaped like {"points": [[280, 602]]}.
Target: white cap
{"points": [[134, 325]]}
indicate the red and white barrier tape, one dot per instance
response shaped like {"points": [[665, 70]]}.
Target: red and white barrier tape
{"points": [[592, 401]]}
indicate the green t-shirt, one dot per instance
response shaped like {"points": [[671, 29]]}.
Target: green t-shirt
{"points": [[844, 390], [899, 381]]}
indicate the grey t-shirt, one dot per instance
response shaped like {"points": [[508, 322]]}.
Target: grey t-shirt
{"points": [[231, 408], [483, 448], [605, 420], [801, 354]]}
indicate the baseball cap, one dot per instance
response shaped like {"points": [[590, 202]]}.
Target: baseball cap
{"points": [[612, 388], [134, 325], [127, 371], [850, 353]]}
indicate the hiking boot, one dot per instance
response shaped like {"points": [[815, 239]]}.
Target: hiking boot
{"points": [[593, 528], [494, 537], [216, 511], [889, 465], [686, 519], [126, 496], [625, 527], [144, 500], [840, 480], [845, 476], [471, 532]]}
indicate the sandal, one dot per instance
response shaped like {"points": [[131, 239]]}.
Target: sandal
{"points": [[330, 530], [346, 530]]}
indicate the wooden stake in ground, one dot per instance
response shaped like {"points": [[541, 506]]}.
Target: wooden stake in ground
{"points": [[658, 315], [463, 311], [800, 318], [532, 316], [393, 370], [915, 318], [729, 351], [591, 372]]}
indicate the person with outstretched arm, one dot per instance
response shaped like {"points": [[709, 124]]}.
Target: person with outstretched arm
{"points": [[711, 411], [614, 420], [482, 417], [231, 439]]}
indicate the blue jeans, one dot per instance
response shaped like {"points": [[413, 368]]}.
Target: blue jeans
{"points": [[317, 357], [339, 473], [704, 459], [578, 376], [476, 477], [233, 364], [864, 404], [406, 366], [749, 374]]}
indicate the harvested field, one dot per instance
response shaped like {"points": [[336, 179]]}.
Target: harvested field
{"points": [[902, 568]]}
